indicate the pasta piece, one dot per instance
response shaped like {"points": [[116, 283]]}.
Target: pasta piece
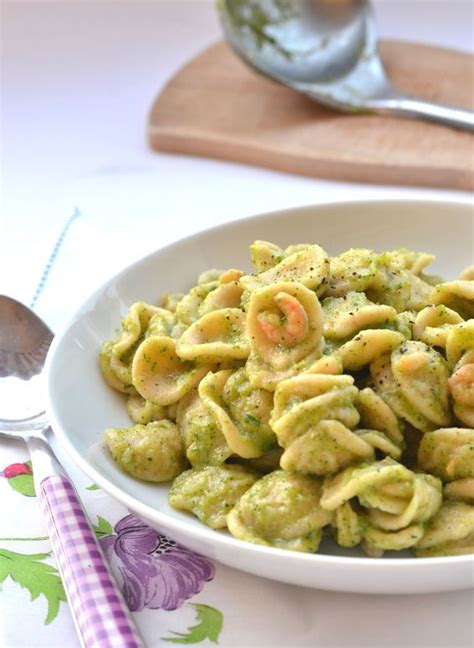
{"points": [[152, 452], [170, 300], [425, 500], [379, 441], [284, 328], [375, 541], [450, 532], [301, 402], [159, 375], [461, 387], [353, 270], [204, 443], [345, 316], [361, 330], [265, 255], [230, 276], [241, 412], [143, 411], [281, 510], [422, 375], [326, 448], [433, 323], [348, 526], [187, 310], [216, 337], [162, 323], [306, 264], [415, 262], [397, 287], [366, 347], [210, 493], [458, 295], [460, 344], [386, 387], [375, 414], [209, 277], [325, 365], [460, 355], [226, 295], [397, 501], [116, 355], [413, 381], [265, 464], [405, 323], [460, 489], [172, 411], [448, 453], [467, 274]]}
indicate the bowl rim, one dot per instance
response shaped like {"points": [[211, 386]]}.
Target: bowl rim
{"points": [[202, 532]]}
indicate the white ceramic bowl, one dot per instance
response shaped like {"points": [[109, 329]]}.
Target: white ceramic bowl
{"points": [[81, 405]]}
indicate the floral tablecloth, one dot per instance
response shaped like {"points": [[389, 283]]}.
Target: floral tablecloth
{"points": [[177, 597]]}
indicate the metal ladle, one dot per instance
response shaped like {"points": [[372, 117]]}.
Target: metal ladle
{"points": [[327, 50]]}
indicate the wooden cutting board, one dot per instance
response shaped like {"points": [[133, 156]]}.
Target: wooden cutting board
{"points": [[215, 106]]}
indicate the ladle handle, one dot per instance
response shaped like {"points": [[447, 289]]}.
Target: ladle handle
{"points": [[99, 611], [413, 107]]}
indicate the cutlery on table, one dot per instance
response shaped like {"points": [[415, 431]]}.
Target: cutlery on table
{"points": [[100, 614], [327, 50]]}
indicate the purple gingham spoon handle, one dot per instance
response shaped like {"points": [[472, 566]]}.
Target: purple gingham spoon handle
{"points": [[100, 613]]}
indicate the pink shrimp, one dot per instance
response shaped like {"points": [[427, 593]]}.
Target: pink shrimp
{"points": [[461, 385], [290, 329]]}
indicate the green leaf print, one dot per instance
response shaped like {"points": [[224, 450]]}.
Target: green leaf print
{"points": [[39, 578], [23, 484], [208, 626], [102, 528], [92, 487]]}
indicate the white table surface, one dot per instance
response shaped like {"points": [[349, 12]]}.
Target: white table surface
{"points": [[77, 81]]}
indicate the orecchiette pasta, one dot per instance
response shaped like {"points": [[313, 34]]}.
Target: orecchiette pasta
{"points": [[159, 375], [204, 443], [306, 264], [433, 323], [413, 380], [211, 492], [448, 453], [459, 295], [467, 274], [450, 532], [398, 287], [284, 328], [143, 411], [313, 392], [359, 329], [116, 355], [353, 270], [215, 337], [152, 452], [375, 414], [281, 510], [395, 503], [240, 411]]}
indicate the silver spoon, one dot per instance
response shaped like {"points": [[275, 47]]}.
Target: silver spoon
{"points": [[100, 614], [326, 49]]}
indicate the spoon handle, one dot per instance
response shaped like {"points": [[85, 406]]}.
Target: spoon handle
{"points": [[100, 614], [413, 107]]}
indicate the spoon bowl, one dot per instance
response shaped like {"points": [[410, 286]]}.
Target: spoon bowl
{"points": [[327, 50], [24, 344]]}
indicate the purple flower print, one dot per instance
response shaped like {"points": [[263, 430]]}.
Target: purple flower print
{"points": [[152, 570]]}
